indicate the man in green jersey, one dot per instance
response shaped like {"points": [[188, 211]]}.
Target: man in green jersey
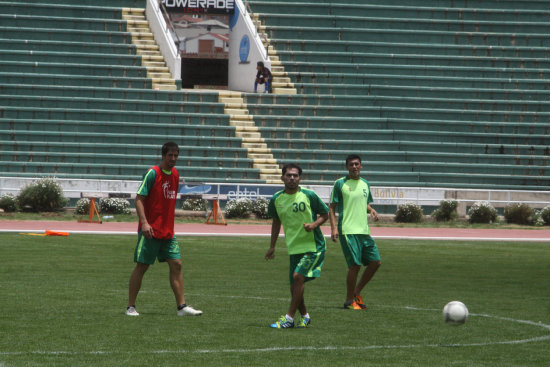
{"points": [[352, 197], [301, 212]]}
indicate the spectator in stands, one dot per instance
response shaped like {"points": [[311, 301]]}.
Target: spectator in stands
{"points": [[155, 207], [352, 197], [263, 76], [301, 213]]}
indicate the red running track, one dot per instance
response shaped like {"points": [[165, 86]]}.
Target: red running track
{"points": [[200, 229]]}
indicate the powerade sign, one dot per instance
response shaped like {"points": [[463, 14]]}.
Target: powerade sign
{"points": [[201, 6]]}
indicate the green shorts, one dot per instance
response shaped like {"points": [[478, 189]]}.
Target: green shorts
{"points": [[308, 264], [149, 249], [359, 249]]}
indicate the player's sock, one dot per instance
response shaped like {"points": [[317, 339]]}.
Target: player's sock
{"points": [[182, 306], [291, 319]]}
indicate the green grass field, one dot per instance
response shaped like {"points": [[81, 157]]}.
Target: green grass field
{"points": [[63, 299]]}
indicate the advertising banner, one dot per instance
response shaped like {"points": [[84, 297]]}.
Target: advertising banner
{"points": [[200, 6]]}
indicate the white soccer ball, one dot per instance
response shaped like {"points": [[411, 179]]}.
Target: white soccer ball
{"points": [[455, 313]]}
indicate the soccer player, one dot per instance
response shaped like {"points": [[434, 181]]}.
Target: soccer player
{"points": [[301, 212], [155, 207], [351, 196]]}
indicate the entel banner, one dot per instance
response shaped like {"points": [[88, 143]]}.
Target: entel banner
{"points": [[201, 6]]}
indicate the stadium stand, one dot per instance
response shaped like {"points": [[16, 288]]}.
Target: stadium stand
{"points": [[79, 98], [442, 93], [451, 95]]}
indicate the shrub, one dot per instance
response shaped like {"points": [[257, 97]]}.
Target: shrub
{"points": [[482, 212], [114, 206], [409, 213], [8, 202], [238, 208], [82, 206], [43, 195], [196, 205], [519, 214], [544, 214], [446, 211], [259, 207]]}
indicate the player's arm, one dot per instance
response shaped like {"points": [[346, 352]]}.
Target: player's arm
{"points": [[322, 218], [333, 223], [146, 229], [275, 230], [372, 212]]}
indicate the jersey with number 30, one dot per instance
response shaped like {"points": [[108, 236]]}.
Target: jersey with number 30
{"points": [[352, 198], [293, 210]]}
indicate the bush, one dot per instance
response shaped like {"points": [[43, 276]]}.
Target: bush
{"points": [[8, 202], [238, 208], [82, 206], [43, 195], [446, 211], [114, 206], [482, 212], [409, 213], [196, 205], [544, 214], [259, 208], [519, 214]]}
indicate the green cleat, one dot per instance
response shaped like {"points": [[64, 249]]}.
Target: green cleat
{"points": [[304, 322], [282, 323]]}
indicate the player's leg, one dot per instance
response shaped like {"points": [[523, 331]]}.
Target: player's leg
{"points": [[176, 280], [371, 258], [297, 292], [368, 273], [352, 254], [135, 283]]}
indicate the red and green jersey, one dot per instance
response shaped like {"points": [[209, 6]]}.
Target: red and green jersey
{"points": [[352, 198], [294, 210], [161, 189]]}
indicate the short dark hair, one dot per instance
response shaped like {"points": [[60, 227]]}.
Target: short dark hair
{"points": [[261, 64], [292, 165], [169, 146], [352, 157]]}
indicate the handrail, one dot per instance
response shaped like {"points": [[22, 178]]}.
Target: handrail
{"points": [[162, 8]]}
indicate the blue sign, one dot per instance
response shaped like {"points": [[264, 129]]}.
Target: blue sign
{"points": [[244, 48]]}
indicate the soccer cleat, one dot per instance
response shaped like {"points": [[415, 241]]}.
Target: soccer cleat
{"points": [[189, 311], [304, 322], [282, 323], [131, 311], [359, 301], [352, 306]]}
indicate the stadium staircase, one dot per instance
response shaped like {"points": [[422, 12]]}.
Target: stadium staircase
{"points": [[85, 94], [450, 95]]}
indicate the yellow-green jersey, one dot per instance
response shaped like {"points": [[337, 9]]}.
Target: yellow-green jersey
{"points": [[294, 210], [352, 198]]}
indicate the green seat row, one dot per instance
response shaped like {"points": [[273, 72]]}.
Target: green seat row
{"points": [[93, 105], [59, 34], [109, 93], [45, 22], [60, 10], [418, 36], [66, 46], [454, 10], [74, 80], [404, 48], [117, 138], [404, 23]]}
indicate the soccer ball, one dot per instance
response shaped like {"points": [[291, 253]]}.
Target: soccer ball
{"points": [[455, 313]]}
